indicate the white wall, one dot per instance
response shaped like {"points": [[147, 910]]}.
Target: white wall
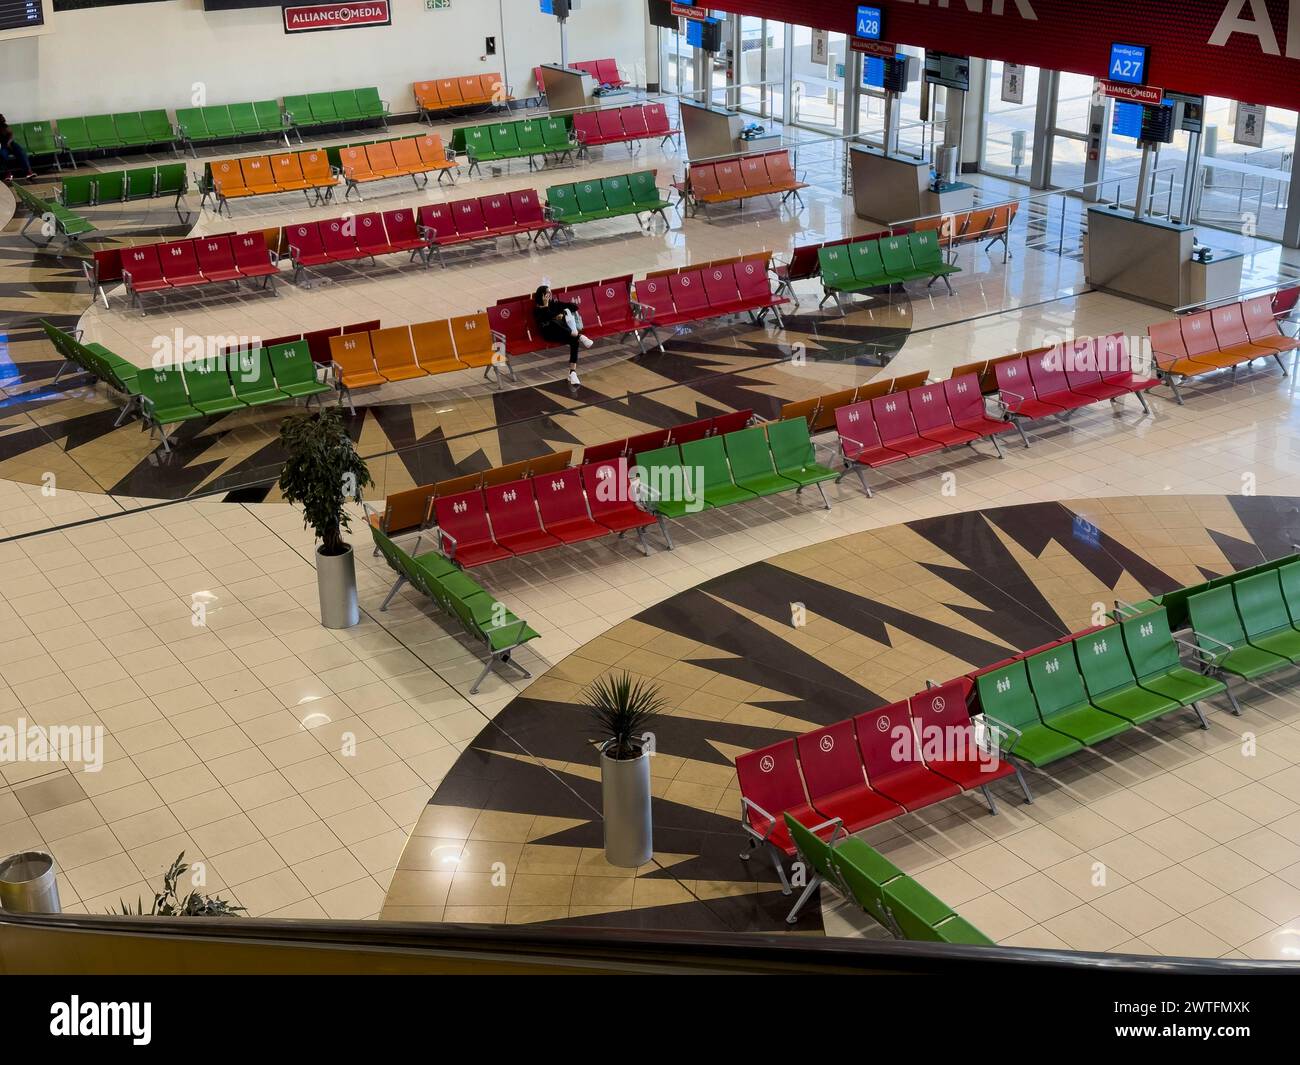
{"points": [[134, 57]]}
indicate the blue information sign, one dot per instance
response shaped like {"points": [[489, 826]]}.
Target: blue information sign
{"points": [[868, 23], [873, 72], [1126, 119], [1128, 63]]}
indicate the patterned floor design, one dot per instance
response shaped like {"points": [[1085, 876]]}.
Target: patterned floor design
{"points": [[67, 428], [885, 612]]}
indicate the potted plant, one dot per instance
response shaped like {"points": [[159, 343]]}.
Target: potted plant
{"points": [[322, 473], [622, 710], [170, 903]]}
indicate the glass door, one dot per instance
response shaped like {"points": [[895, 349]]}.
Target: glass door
{"points": [[759, 72], [1007, 146], [676, 62], [817, 88], [1074, 94], [912, 135]]}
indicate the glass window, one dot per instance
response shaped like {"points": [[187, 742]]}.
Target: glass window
{"points": [[913, 137], [1070, 137], [817, 88], [761, 66], [1243, 185], [677, 65], [1008, 127]]}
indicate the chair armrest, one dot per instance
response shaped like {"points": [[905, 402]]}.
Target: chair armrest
{"points": [[749, 804], [1002, 392], [837, 829], [443, 537], [643, 311], [1125, 610], [998, 729], [1205, 656], [519, 624], [828, 447]]}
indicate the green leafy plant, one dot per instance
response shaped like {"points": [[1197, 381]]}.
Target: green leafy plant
{"points": [[621, 709], [167, 903], [323, 471]]}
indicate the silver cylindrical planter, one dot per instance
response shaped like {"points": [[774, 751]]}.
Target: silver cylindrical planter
{"points": [[336, 581], [625, 797], [27, 883]]}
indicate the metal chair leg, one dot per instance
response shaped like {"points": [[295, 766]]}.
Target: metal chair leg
{"points": [[793, 916], [392, 592]]}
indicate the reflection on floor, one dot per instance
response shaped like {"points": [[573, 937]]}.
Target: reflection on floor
{"points": [[1196, 834], [234, 740]]}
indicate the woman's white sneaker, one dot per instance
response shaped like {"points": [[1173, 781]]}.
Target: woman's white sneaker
{"points": [[586, 341], [573, 377]]}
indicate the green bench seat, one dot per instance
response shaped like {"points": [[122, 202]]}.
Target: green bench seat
{"points": [[54, 218], [795, 458], [1010, 710], [1148, 678], [480, 614], [710, 457], [879, 888], [611, 197], [519, 139], [1219, 632], [672, 493], [39, 138], [114, 186], [761, 460], [1062, 702], [882, 261]]}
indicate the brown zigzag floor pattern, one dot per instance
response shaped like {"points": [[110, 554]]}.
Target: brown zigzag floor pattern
{"points": [[886, 611]]}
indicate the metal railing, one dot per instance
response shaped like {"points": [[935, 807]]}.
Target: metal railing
{"points": [[1276, 284], [73, 944], [1066, 196]]}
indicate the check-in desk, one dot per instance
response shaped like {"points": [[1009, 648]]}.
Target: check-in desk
{"points": [[710, 132], [891, 188], [567, 89], [1217, 277], [1150, 259]]}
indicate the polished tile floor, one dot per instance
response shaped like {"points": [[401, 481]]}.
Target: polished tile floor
{"points": [[1168, 840], [298, 764]]}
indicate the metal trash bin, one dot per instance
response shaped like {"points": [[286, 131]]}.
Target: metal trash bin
{"points": [[27, 883], [946, 161]]}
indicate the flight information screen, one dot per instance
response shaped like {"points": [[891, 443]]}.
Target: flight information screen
{"points": [[21, 14]]}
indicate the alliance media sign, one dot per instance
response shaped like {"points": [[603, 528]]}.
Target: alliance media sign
{"points": [[307, 17]]}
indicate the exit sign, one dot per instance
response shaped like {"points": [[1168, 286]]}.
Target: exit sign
{"points": [[437, 5]]}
